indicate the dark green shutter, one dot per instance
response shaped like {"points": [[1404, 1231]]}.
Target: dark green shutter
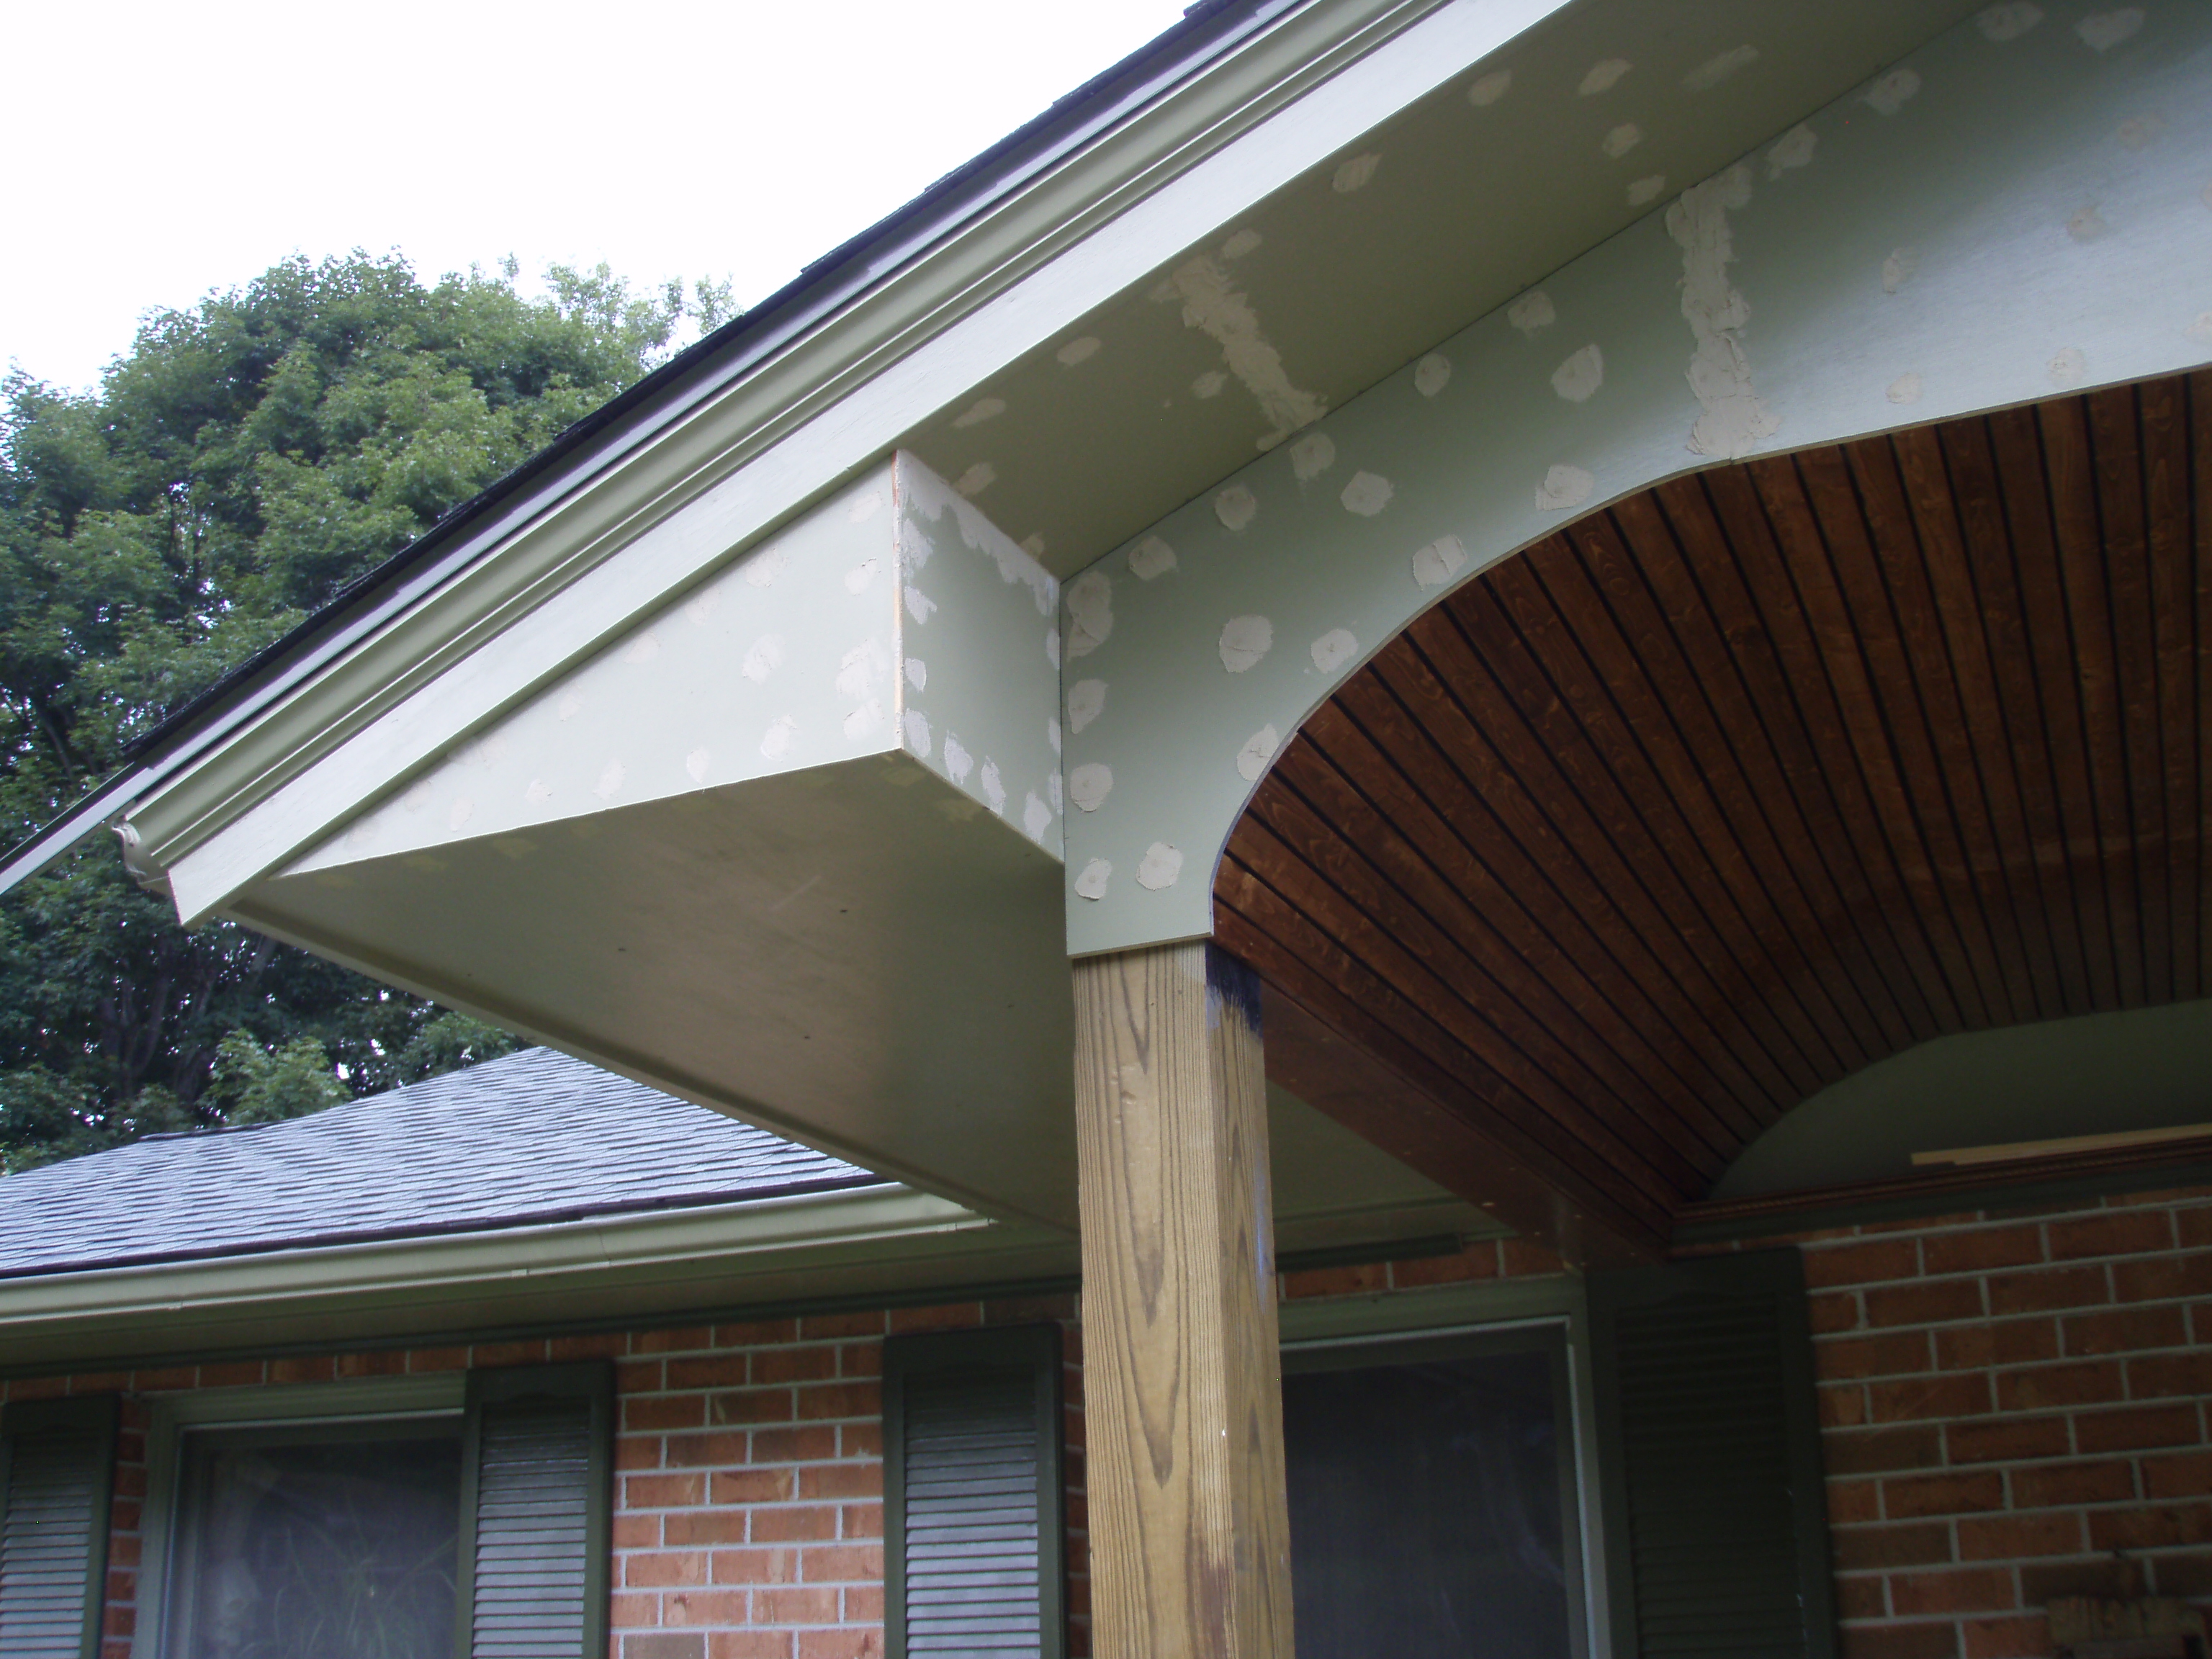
{"points": [[973, 1510], [56, 1470], [1717, 1531], [536, 1480]]}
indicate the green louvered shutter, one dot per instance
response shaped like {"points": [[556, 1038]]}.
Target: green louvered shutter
{"points": [[972, 1510], [1717, 1531], [57, 1468], [535, 1478]]}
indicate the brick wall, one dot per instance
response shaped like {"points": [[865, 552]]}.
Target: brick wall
{"points": [[2014, 1408]]}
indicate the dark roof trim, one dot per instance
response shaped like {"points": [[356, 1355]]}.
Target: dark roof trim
{"points": [[1208, 29]]}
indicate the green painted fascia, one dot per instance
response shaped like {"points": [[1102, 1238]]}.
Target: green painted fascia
{"points": [[571, 523]]}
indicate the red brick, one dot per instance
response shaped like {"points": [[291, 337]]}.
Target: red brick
{"points": [[793, 1523], [685, 1339], [1861, 1597], [752, 1406], [645, 1413], [421, 1360], [2049, 1485], [811, 1364], [1963, 1589], [693, 1451], [2162, 1526], [1957, 1394], [832, 1400], [698, 1529], [388, 1362], [2184, 1474], [841, 1480], [2040, 1388], [1519, 1258], [839, 1564], [2043, 1582], [1982, 1249], [604, 1344], [228, 1376], [1878, 1451], [843, 1324], [2192, 1229], [2133, 1427], [1836, 1311], [628, 1611], [1890, 1353], [2023, 1635], [1827, 1266], [789, 1604], [1999, 1342], [2114, 1232], [2125, 1330], [958, 1315], [304, 1368], [2048, 1289], [639, 1376], [1479, 1262], [756, 1566], [860, 1359], [1365, 1280], [1854, 1500], [748, 1644], [862, 1520], [760, 1332], [2158, 1376], [491, 1354], [664, 1644], [1935, 1639], [839, 1645], [637, 1451], [2009, 1537], [2164, 1277], [2007, 1439], [663, 1492], [171, 1377], [1844, 1406], [750, 1486], [1922, 1543], [860, 1439], [663, 1568], [636, 1532], [863, 1601], [1927, 1302], [1912, 1497], [718, 1371], [704, 1606], [2187, 1575]]}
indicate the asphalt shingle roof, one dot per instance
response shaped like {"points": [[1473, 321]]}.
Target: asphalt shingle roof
{"points": [[532, 1137]]}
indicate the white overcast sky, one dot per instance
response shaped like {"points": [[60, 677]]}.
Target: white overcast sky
{"points": [[166, 150]]}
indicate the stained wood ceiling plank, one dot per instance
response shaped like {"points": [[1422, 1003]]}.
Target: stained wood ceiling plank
{"points": [[1256, 925], [1970, 465], [1463, 702], [2070, 466], [2030, 517], [2164, 406], [1827, 654], [1916, 543], [1603, 595], [1576, 784], [1484, 878], [1791, 698]]}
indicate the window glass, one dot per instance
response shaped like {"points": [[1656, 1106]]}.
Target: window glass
{"points": [[1431, 1502], [326, 1542]]}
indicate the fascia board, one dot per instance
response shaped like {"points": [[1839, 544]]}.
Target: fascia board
{"points": [[748, 1236], [748, 460]]}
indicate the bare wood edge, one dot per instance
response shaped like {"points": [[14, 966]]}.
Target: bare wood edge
{"points": [[1343, 1081]]}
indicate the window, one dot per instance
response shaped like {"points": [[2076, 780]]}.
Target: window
{"points": [[1433, 1497], [972, 1512], [442, 1517]]}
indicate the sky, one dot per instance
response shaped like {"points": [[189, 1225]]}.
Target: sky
{"points": [[188, 145]]}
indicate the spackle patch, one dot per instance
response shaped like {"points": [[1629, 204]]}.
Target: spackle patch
{"points": [[1367, 495], [700, 607], [1892, 91], [1150, 559], [1354, 173], [1793, 150], [858, 668], [1037, 817], [1211, 384], [611, 780], [1433, 374], [1620, 140], [776, 742], [864, 720], [1240, 243], [1213, 305], [1334, 649], [1088, 786], [2067, 369], [1090, 613], [1642, 192], [1159, 866], [2140, 131], [1081, 350], [538, 794], [993, 787], [1445, 557], [1236, 507], [1563, 487], [463, 810], [1259, 749], [642, 649], [2087, 225], [1093, 882], [1244, 641], [976, 479], [982, 410], [957, 761], [764, 566], [1734, 419], [919, 604], [1603, 76], [917, 733], [1719, 68], [1087, 701], [917, 673], [1486, 89], [2008, 22], [862, 577], [2201, 330], [2101, 31], [864, 508], [697, 763], [1052, 645], [1311, 456], [1897, 269], [1532, 311], [1582, 375], [572, 705], [1052, 787], [1904, 389]]}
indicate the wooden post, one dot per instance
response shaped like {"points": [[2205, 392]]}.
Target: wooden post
{"points": [[1182, 1381]]}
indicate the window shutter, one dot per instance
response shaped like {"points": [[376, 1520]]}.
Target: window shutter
{"points": [[536, 1482], [973, 1512], [56, 1470], [1716, 1530]]}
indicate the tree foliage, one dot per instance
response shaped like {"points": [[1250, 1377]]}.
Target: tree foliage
{"points": [[243, 463]]}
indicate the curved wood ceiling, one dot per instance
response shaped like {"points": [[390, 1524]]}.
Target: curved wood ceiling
{"points": [[1756, 777]]}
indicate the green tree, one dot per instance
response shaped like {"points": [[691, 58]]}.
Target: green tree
{"points": [[243, 463]]}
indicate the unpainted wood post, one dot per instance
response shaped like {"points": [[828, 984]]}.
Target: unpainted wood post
{"points": [[1182, 1379]]}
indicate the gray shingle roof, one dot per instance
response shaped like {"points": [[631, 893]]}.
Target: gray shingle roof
{"points": [[536, 1137]]}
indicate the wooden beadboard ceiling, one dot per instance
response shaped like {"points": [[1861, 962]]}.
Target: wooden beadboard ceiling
{"points": [[1755, 778]]}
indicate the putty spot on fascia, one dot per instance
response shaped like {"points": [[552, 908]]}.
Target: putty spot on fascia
{"points": [[1213, 304], [1734, 419]]}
